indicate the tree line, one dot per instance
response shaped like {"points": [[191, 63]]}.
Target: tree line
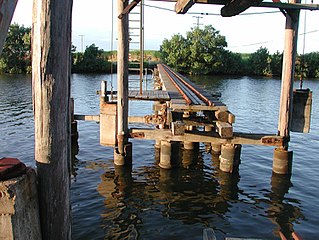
{"points": [[201, 51]]}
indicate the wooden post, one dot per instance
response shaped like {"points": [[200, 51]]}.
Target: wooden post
{"points": [[51, 48], [6, 13], [122, 85], [288, 71]]}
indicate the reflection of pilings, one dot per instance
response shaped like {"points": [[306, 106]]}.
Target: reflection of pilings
{"points": [[123, 179], [281, 213], [189, 158], [228, 184]]}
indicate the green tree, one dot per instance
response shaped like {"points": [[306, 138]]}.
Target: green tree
{"points": [[16, 56], [175, 52], [200, 52], [206, 47], [259, 62], [233, 64], [311, 64], [276, 63], [93, 60]]}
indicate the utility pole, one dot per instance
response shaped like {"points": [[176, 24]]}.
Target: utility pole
{"points": [[197, 23], [82, 41]]}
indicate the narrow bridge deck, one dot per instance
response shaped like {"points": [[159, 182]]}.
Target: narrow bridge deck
{"points": [[185, 95]]}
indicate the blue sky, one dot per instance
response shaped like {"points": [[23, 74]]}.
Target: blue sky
{"points": [[244, 33]]}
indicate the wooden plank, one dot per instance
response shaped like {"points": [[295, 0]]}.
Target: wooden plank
{"points": [[95, 118], [182, 6], [6, 13], [212, 137], [225, 130], [221, 115], [51, 48], [280, 5]]}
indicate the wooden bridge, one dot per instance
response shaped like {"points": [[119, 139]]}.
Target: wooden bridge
{"points": [[183, 113]]}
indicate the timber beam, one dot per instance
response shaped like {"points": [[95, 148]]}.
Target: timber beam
{"points": [[279, 5], [212, 137]]}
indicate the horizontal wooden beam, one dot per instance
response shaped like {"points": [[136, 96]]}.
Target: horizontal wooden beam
{"points": [[87, 117], [182, 6], [96, 118], [212, 137], [263, 4]]}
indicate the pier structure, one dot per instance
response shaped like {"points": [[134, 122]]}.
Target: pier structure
{"points": [[184, 115], [185, 119]]}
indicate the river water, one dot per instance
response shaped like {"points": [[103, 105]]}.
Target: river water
{"points": [[150, 203]]}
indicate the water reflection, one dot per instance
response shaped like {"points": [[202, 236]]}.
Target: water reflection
{"points": [[281, 212], [187, 194]]}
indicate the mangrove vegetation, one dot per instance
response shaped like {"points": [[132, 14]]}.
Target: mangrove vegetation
{"points": [[203, 50]]}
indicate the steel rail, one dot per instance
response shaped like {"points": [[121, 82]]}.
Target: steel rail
{"points": [[185, 89], [182, 81], [187, 99]]}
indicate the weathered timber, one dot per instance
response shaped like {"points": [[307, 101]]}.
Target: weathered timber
{"points": [[301, 111], [222, 115], [95, 118], [280, 5], [236, 7], [7, 8], [122, 83], [288, 70], [225, 130], [182, 6], [231, 118], [107, 119], [51, 48], [212, 137]]}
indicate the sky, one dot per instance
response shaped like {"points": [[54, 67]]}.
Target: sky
{"points": [[264, 27]]}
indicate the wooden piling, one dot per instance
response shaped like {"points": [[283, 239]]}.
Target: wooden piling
{"points": [[51, 49], [286, 96], [122, 85]]}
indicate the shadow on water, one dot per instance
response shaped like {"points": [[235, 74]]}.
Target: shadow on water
{"points": [[153, 207]]}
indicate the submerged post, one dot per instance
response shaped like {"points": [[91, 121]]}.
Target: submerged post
{"points": [[286, 100], [51, 48], [121, 153]]}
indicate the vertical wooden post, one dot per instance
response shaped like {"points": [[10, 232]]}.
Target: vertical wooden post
{"points": [[122, 85], [51, 49], [6, 13], [288, 71]]}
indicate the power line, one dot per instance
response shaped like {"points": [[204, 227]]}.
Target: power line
{"points": [[258, 43]]}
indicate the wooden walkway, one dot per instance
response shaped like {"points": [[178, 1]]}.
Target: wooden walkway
{"points": [[157, 95]]}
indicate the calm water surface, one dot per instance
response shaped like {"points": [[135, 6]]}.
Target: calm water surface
{"points": [[150, 203]]}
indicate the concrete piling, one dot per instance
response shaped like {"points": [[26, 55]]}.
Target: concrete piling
{"points": [[282, 162], [19, 206]]}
